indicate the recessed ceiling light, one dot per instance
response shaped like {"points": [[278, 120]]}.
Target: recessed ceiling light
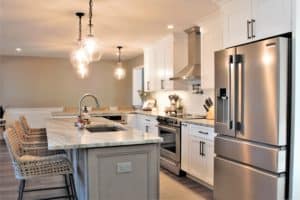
{"points": [[18, 49], [170, 26]]}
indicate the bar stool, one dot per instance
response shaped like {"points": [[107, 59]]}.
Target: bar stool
{"points": [[28, 165], [29, 139], [31, 131], [34, 144]]}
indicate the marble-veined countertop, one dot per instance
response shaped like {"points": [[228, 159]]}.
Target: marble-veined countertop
{"points": [[62, 134], [201, 122]]}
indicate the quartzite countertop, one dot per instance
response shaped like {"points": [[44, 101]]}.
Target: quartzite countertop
{"points": [[62, 134], [201, 122]]}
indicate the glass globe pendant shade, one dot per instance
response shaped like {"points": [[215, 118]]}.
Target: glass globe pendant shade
{"points": [[82, 70], [93, 48], [119, 72], [79, 56]]}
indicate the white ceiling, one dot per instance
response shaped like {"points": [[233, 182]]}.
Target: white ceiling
{"points": [[50, 28]]}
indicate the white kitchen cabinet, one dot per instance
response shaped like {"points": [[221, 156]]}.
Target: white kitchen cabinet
{"points": [[184, 146], [250, 20], [236, 14], [198, 163], [149, 69], [150, 125], [137, 85], [272, 17], [209, 155], [147, 124], [164, 58], [131, 120], [211, 41], [197, 152]]}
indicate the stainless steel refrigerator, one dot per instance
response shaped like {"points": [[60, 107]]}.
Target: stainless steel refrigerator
{"points": [[252, 123]]}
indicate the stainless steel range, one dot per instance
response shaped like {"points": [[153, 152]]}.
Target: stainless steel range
{"points": [[169, 129]]}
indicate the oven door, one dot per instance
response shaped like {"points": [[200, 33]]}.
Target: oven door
{"points": [[170, 147]]}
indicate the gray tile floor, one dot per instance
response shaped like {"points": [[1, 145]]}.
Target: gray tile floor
{"points": [[171, 186]]}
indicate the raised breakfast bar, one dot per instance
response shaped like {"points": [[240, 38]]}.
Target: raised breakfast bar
{"points": [[110, 161]]}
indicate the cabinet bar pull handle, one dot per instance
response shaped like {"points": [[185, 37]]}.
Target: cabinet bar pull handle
{"points": [[147, 129], [203, 143], [148, 85], [252, 28], [162, 84], [200, 148], [248, 29], [202, 132]]}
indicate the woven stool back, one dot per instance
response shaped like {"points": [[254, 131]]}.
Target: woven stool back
{"points": [[19, 131], [13, 144], [24, 123]]}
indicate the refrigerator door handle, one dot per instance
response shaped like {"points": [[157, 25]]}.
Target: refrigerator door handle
{"points": [[239, 98], [231, 92]]}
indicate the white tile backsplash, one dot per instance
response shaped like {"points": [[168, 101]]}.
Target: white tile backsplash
{"points": [[192, 103]]}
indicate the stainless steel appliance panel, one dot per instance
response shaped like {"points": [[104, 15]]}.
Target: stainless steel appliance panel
{"points": [[269, 158], [262, 91], [225, 92], [239, 182], [170, 149]]}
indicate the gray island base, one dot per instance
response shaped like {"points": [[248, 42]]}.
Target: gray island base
{"points": [[120, 165]]}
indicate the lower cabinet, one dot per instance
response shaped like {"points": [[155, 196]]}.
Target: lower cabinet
{"points": [[131, 120], [147, 124], [197, 152]]}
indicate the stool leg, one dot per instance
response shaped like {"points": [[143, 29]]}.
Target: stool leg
{"points": [[21, 189], [73, 186], [68, 186]]}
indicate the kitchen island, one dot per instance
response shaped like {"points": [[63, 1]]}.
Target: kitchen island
{"points": [[120, 163]]}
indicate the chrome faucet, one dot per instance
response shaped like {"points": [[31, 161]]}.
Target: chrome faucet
{"points": [[83, 97]]}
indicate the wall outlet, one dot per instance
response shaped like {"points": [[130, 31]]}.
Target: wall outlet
{"points": [[124, 167]]}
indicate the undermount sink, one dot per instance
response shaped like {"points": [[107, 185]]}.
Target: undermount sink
{"points": [[104, 128]]}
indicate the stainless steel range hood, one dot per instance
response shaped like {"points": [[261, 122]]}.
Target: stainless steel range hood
{"points": [[193, 70]]}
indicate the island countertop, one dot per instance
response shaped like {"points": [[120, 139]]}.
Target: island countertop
{"points": [[62, 134]]}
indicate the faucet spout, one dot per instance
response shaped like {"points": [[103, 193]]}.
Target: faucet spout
{"points": [[83, 97]]}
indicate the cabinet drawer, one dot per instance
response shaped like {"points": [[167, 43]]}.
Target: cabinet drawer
{"points": [[202, 131], [150, 120]]}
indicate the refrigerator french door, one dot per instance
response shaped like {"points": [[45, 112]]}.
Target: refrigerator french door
{"points": [[251, 121]]}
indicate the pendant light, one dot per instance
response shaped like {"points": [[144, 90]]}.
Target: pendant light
{"points": [[119, 72], [90, 43], [78, 55]]}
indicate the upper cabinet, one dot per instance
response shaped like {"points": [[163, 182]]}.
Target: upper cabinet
{"points": [[162, 59], [250, 20], [211, 41], [272, 17]]}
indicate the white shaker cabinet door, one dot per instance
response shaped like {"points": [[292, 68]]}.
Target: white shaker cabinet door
{"points": [[132, 121], [197, 161], [236, 29], [272, 17], [208, 147], [147, 66]]}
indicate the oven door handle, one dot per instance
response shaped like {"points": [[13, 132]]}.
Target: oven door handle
{"points": [[167, 128]]}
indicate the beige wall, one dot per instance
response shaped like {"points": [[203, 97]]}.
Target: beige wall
{"points": [[34, 81], [136, 62]]}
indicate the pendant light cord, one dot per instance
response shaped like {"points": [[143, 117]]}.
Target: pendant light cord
{"points": [[79, 15], [119, 47], [80, 29], [90, 17]]}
